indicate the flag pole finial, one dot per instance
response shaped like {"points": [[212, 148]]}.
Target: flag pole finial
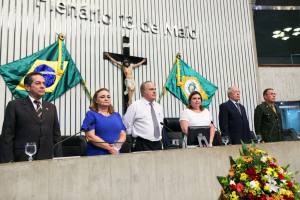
{"points": [[61, 36], [178, 55]]}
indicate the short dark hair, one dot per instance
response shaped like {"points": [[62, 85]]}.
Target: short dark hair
{"points": [[28, 78], [266, 90], [190, 98], [142, 88]]}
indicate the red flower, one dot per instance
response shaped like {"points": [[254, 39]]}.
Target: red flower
{"points": [[288, 198], [280, 176], [239, 187], [232, 187], [273, 165], [252, 173], [263, 197], [270, 198], [250, 196], [289, 184]]}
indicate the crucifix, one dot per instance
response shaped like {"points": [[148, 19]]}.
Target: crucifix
{"points": [[127, 64]]}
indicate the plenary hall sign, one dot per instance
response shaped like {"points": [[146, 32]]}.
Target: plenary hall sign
{"points": [[86, 13]]}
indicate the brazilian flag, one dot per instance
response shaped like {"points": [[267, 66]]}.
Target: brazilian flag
{"points": [[54, 62], [183, 80]]}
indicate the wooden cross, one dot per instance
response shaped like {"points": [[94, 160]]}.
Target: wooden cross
{"points": [[127, 64]]}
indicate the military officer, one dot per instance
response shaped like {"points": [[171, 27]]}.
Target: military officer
{"points": [[267, 118]]}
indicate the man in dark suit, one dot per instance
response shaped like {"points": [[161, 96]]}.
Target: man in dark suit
{"points": [[233, 120], [267, 118], [29, 120]]}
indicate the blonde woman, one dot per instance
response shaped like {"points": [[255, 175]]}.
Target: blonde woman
{"points": [[102, 126]]}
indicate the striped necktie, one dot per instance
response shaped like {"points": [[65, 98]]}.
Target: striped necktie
{"points": [[38, 108]]}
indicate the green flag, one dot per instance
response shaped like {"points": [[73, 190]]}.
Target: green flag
{"points": [[183, 80], [54, 62]]}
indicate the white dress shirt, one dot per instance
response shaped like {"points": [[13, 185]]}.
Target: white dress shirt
{"points": [[138, 119]]}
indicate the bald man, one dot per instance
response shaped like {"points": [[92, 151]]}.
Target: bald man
{"points": [[233, 120]]}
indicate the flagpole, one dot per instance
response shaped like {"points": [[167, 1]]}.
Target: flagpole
{"points": [[164, 90], [86, 89], [162, 93], [60, 40]]}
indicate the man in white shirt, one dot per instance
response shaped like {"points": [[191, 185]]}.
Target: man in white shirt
{"points": [[143, 118]]}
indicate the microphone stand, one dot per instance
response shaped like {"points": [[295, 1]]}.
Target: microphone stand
{"points": [[218, 131], [59, 142]]}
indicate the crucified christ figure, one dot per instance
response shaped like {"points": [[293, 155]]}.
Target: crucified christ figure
{"points": [[127, 69]]}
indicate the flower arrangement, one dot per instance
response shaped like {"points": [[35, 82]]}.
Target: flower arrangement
{"points": [[256, 175]]}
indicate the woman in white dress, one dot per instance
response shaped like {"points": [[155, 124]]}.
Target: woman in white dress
{"points": [[196, 115]]}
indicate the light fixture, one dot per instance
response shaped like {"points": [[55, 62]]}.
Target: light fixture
{"points": [[286, 33], [287, 29], [285, 38], [281, 34], [276, 32], [297, 29]]}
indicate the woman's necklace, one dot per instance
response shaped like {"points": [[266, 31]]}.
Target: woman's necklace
{"points": [[105, 113]]}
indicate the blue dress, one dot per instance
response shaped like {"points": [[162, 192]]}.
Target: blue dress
{"points": [[106, 127]]}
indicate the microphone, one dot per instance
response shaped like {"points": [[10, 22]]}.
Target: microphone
{"points": [[59, 142]]}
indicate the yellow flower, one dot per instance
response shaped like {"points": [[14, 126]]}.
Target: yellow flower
{"points": [[233, 196], [269, 171], [267, 187], [243, 176], [253, 192], [259, 151], [270, 158], [289, 193], [264, 178], [282, 191], [285, 192]]}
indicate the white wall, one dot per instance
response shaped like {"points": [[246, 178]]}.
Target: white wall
{"points": [[285, 80], [223, 51]]}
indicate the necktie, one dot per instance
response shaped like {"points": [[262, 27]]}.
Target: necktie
{"points": [[273, 108], [238, 107], [155, 122], [38, 108]]}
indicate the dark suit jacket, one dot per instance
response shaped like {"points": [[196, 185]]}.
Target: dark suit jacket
{"points": [[21, 125], [268, 123], [233, 124]]}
